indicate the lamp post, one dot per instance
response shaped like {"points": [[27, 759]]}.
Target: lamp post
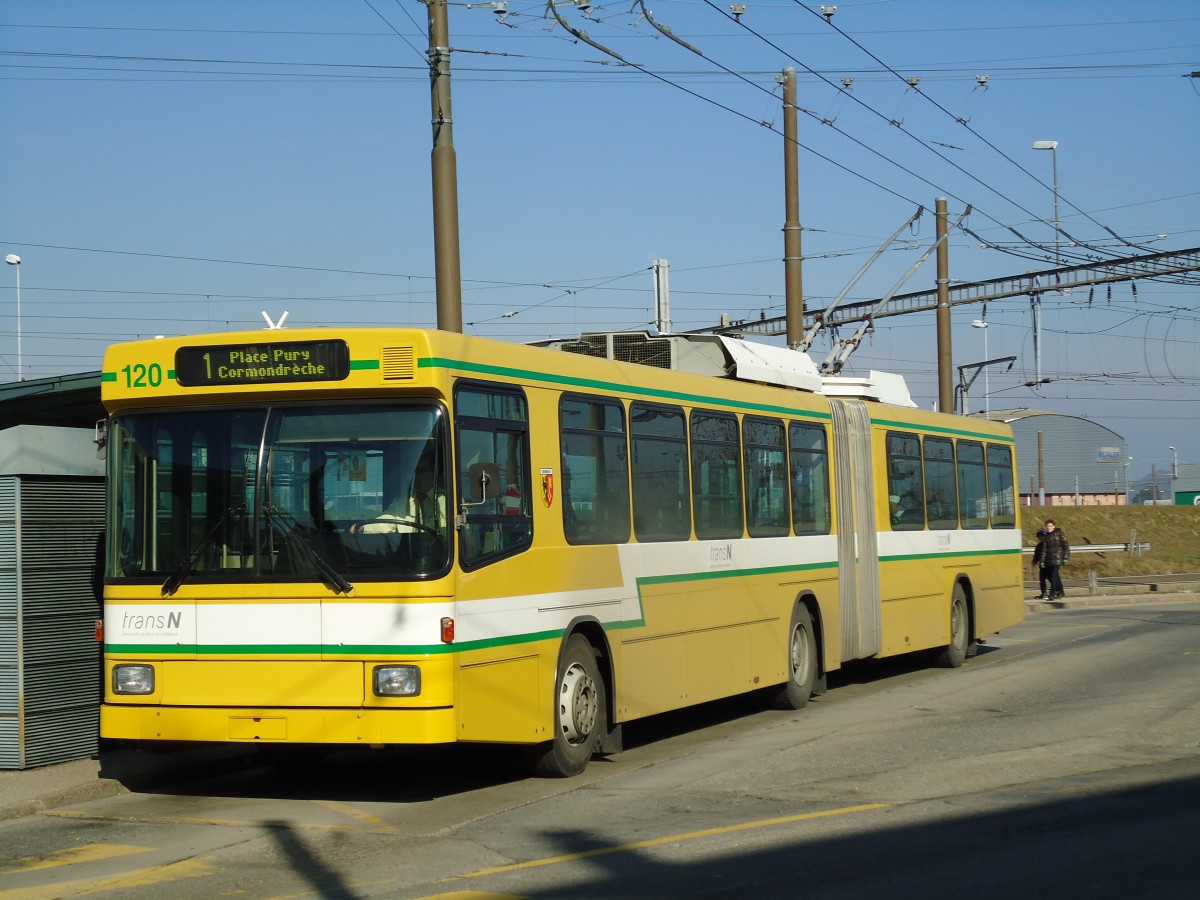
{"points": [[13, 260], [1127, 462], [987, 400], [1174, 462], [1052, 146]]}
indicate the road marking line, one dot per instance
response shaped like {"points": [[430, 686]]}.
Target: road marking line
{"points": [[347, 810], [233, 823], [188, 868], [70, 856], [671, 839]]}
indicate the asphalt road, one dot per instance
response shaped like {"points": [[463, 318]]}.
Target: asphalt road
{"points": [[1063, 761]]}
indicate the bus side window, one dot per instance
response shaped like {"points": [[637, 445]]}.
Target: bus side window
{"points": [[661, 511], [716, 475], [595, 470], [809, 473], [1001, 496], [766, 477], [972, 485], [906, 492], [493, 427], [941, 486]]}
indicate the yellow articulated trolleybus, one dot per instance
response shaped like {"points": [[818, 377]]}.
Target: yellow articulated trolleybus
{"points": [[372, 537]]}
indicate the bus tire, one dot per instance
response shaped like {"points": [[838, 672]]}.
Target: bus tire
{"points": [[801, 662], [954, 654], [579, 713]]}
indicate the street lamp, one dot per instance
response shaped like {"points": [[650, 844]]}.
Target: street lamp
{"points": [[1127, 462], [987, 400], [1052, 146], [1174, 462], [13, 260]]}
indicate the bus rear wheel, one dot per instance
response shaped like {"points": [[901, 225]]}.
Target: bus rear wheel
{"points": [[579, 713], [954, 654], [802, 663]]}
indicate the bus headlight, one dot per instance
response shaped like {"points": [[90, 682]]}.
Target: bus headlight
{"points": [[397, 681], [133, 679]]}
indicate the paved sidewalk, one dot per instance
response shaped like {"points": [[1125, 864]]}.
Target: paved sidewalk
{"points": [[28, 791], [1114, 595]]}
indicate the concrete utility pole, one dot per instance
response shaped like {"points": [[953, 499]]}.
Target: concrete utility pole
{"points": [[793, 283], [445, 174], [662, 295], [944, 354]]}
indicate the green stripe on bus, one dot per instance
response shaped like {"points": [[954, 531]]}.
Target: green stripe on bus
{"points": [[111, 377], [357, 364], [950, 554], [939, 429], [177, 650], [390, 650], [733, 573], [174, 651], [686, 577], [433, 362]]}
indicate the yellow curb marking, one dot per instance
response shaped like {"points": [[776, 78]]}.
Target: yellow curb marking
{"points": [[70, 856], [347, 810], [232, 823], [671, 839], [188, 868]]}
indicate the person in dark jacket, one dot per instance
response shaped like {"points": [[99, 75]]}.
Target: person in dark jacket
{"points": [[1057, 552], [1039, 560]]}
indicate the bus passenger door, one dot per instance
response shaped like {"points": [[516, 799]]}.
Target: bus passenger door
{"points": [[858, 545]]}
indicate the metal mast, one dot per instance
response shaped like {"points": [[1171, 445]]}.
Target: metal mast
{"points": [[445, 174]]}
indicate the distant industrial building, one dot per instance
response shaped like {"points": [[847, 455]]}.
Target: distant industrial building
{"points": [[1067, 460], [1185, 485]]}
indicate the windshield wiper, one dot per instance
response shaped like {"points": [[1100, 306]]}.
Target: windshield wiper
{"points": [[293, 540], [176, 578]]}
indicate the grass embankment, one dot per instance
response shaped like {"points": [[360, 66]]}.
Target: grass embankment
{"points": [[1173, 533]]}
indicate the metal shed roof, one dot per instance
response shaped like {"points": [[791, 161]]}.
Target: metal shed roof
{"points": [[71, 401]]}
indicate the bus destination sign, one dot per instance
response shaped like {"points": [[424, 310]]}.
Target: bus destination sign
{"points": [[230, 364]]}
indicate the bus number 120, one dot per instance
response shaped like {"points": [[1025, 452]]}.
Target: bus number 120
{"points": [[140, 375]]}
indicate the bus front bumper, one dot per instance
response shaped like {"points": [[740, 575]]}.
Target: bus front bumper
{"points": [[361, 727]]}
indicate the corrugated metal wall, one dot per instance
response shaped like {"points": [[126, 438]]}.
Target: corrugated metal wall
{"points": [[50, 532], [1071, 448]]}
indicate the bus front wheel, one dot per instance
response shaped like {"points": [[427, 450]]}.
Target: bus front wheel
{"points": [[579, 713], [954, 654], [802, 662]]}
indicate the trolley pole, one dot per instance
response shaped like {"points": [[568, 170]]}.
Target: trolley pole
{"points": [[944, 354], [793, 284], [445, 174]]}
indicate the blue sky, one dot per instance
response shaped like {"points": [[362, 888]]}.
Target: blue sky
{"points": [[176, 168]]}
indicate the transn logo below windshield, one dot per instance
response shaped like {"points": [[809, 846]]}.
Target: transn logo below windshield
{"points": [[152, 623]]}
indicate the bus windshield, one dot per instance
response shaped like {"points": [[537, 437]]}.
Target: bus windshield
{"points": [[279, 493]]}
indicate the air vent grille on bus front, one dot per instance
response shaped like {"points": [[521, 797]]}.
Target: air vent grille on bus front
{"points": [[399, 363]]}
